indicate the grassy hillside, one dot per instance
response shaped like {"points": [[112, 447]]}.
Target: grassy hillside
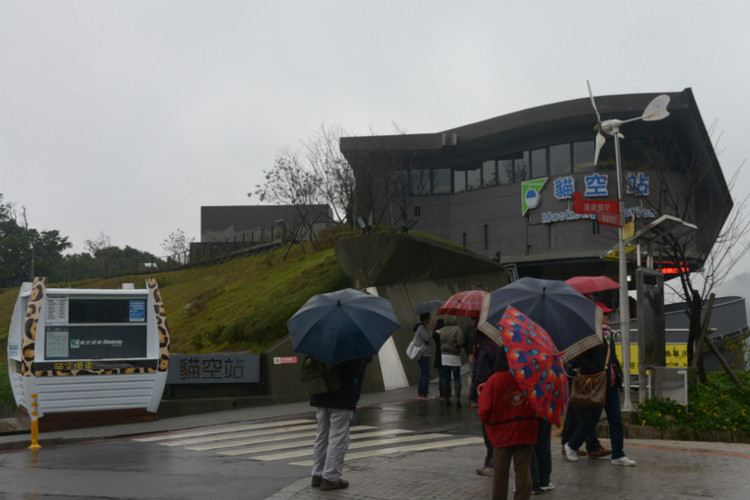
{"points": [[238, 305]]}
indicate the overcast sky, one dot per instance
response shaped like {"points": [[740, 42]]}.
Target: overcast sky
{"points": [[125, 117]]}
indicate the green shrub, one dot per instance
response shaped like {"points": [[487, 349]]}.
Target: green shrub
{"points": [[716, 405]]}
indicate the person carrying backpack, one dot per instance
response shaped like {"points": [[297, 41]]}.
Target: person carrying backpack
{"points": [[333, 413]]}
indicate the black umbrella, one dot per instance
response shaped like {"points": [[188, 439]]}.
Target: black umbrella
{"points": [[428, 306], [337, 326]]}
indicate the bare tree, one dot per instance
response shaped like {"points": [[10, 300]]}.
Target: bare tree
{"points": [[100, 243], [291, 182], [697, 196], [177, 246], [332, 171]]}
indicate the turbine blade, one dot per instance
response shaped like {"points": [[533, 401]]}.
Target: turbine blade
{"points": [[600, 140], [593, 104]]}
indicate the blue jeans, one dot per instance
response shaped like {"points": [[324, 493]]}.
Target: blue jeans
{"points": [[591, 418], [424, 376]]}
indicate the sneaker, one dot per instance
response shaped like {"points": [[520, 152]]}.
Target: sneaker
{"points": [[327, 485], [316, 480], [570, 454], [624, 461], [535, 492], [423, 396], [549, 487], [485, 471], [601, 452], [579, 452]]}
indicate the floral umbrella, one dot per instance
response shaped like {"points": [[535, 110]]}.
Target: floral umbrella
{"points": [[536, 364], [466, 303]]}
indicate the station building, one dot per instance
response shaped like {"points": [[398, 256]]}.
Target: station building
{"points": [[504, 187]]}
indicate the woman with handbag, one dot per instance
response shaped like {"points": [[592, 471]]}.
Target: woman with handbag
{"points": [[596, 360]]}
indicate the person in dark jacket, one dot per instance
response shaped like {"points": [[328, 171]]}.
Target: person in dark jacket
{"points": [[445, 392], [334, 413], [594, 360], [485, 355]]}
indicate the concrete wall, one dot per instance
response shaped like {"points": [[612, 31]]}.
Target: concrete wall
{"points": [[406, 270]]}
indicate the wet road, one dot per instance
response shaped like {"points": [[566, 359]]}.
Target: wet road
{"points": [[400, 449]]}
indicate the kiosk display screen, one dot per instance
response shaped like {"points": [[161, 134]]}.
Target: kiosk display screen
{"points": [[107, 310], [97, 328]]}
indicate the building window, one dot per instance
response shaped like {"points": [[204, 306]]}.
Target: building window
{"points": [[583, 156], [463, 239], [559, 159], [486, 237], [441, 181], [505, 172], [459, 181], [539, 163], [521, 167], [489, 173], [474, 178], [420, 181], [417, 211]]}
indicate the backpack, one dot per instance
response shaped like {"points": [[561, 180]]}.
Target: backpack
{"points": [[318, 377]]}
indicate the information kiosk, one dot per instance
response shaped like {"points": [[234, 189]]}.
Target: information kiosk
{"points": [[90, 356]]}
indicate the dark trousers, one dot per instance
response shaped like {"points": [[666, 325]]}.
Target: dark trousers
{"points": [[591, 418], [575, 415], [423, 386], [521, 457], [541, 461], [488, 446]]}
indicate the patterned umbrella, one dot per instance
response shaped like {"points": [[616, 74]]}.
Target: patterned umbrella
{"points": [[592, 284], [467, 303], [536, 364]]}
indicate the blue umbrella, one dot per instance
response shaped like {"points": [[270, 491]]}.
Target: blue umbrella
{"points": [[337, 326], [574, 323]]}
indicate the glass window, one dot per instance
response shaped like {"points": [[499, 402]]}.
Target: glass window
{"points": [[583, 156], [441, 181], [474, 178], [539, 163], [521, 167], [459, 181], [420, 182], [400, 182], [559, 159], [505, 171], [489, 173]]}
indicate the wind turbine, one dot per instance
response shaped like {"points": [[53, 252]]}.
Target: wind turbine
{"points": [[655, 111]]}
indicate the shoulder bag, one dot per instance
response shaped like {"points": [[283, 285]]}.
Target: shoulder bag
{"points": [[590, 390]]}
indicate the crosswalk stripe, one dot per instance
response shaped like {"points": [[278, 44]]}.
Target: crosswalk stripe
{"points": [[288, 445], [237, 435], [352, 446], [206, 432], [403, 449]]}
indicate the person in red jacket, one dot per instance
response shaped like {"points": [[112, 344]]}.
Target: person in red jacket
{"points": [[512, 429]]}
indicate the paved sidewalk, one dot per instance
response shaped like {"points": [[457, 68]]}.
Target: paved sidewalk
{"points": [[666, 470]]}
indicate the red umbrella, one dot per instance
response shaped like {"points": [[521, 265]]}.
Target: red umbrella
{"points": [[592, 284], [536, 364], [467, 303]]}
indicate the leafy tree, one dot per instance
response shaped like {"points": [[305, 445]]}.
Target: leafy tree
{"points": [[25, 252]]}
